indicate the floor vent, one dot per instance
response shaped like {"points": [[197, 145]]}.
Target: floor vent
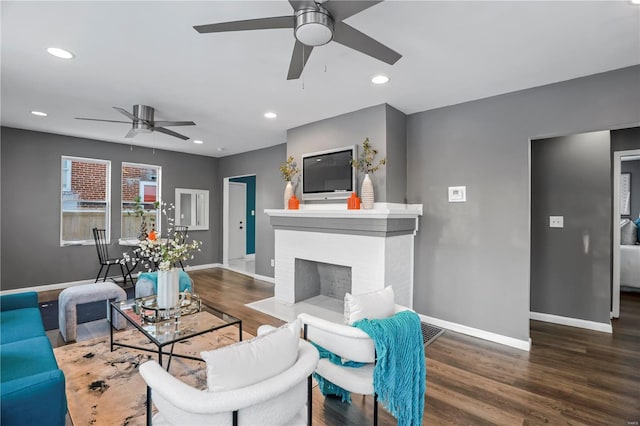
{"points": [[430, 333]]}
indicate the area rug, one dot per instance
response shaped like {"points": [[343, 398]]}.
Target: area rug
{"points": [[105, 388]]}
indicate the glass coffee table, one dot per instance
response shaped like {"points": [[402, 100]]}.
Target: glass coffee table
{"points": [[168, 327]]}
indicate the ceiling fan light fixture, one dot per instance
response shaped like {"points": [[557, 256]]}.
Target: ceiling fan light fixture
{"points": [[314, 27], [60, 53], [379, 79]]}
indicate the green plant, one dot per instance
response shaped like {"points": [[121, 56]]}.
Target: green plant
{"points": [[367, 161], [289, 169], [138, 208]]}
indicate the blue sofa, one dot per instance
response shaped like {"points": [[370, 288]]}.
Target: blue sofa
{"points": [[32, 387]]}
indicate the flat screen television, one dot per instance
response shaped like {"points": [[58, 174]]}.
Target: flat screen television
{"points": [[328, 175]]}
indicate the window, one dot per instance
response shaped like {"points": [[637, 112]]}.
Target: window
{"points": [[85, 193], [140, 198], [192, 208]]}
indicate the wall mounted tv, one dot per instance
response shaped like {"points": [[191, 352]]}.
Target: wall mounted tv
{"points": [[328, 175]]}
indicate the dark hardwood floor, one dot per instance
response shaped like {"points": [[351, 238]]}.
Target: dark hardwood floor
{"points": [[571, 376]]}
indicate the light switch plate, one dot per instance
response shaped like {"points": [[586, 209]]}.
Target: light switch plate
{"points": [[457, 194], [556, 221]]}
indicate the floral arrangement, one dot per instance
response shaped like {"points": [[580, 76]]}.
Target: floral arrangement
{"points": [[163, 253], [366, 163], [289, 169]]}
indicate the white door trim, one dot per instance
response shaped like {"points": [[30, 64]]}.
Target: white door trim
{"points": [[225, 217], [617, 165]]}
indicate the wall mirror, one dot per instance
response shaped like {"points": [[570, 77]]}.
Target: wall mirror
{"points": [[192, 208]]}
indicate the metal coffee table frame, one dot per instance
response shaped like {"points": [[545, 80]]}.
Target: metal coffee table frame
{"points": [[121, 308]]}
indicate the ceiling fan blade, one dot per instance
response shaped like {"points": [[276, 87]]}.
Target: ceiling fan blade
{"points": [[249, 24], [131, 133], [297, 60], [170, 133], [127, 113], [173, 123], [302, 4], [350, 37], [340, 10], [98, 119]]}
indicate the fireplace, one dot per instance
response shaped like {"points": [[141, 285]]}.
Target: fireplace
{"points": [[375, 248], [318, 278]]}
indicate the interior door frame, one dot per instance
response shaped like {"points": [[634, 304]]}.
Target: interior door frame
{"points": [[615, 290], [225, 216]]}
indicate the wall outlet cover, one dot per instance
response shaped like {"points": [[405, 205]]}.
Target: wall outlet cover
{"points": [[457, 194], [556, 221]]}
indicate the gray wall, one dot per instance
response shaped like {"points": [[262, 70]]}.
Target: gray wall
{"points": [[30, 247], [396, 167], [344, 130], [570, 266], [633, 167], [264, 163], [472, 259]]}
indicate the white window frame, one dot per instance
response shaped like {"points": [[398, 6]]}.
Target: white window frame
{"points": [[66, 174], [157, 183], [107, 201], [202, 194]]}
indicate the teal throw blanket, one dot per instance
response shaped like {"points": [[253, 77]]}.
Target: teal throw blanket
{"points": [[185, 281], [400, 373]]}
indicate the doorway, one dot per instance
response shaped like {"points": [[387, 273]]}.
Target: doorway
{"points": [[618, 158], [239, 204]]}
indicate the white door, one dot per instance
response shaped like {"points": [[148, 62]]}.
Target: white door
{"points": [[237, 220]]}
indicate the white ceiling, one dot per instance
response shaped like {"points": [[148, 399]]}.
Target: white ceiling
{"points": [[148, 53]]}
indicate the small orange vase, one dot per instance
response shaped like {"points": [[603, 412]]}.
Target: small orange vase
{"points": [[353, 202], [294, 203]]}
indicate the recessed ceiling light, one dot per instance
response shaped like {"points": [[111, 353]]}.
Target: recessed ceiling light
{"points": [[197, 141], [39, 113], [60, 53], [635, 1], [380, 79], [270, 114]]}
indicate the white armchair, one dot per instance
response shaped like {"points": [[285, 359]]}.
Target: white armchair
{"points": [[278, 400], [350, 343]]}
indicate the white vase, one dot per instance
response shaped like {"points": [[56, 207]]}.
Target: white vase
{"points": [[366, 192], [288, 193], [168, 293]]}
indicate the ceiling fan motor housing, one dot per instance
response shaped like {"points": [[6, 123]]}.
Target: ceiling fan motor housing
{"points": [[314, 26], [144, 114]]}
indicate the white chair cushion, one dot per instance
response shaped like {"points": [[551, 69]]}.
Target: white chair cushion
{"points": [[374, 305], [246, 363]]}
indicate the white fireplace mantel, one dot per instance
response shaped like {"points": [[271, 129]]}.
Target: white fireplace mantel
{"points": [[377, 244]]}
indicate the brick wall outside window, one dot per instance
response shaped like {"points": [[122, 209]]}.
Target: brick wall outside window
{"points": [[88, 180]]}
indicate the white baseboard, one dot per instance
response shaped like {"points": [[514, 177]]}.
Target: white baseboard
{"points": [[251, 256], [481, 334], [264, 278], [205, 266], [572, 322], [47, 287], [60, 286]]}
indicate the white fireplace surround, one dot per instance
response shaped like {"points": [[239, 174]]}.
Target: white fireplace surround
{"points": [[377, 244]]}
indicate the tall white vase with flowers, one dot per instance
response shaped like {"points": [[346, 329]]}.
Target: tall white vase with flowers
{"points": [[163, 254], [367, 164]]}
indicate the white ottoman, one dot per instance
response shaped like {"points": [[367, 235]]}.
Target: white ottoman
{"points": [[71, 297]]}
